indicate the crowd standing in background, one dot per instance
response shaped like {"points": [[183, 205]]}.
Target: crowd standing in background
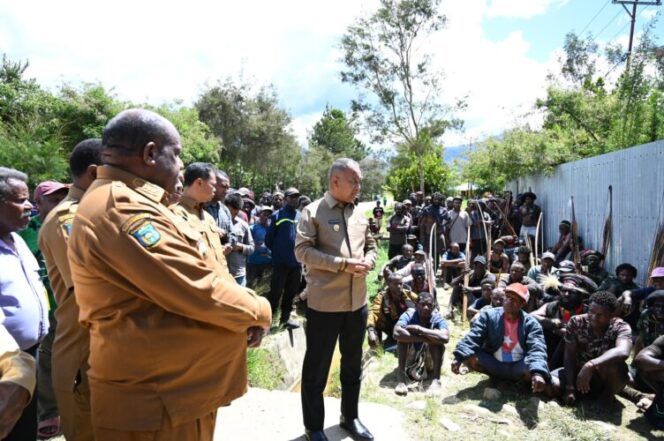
{"points": [[112, 288]]}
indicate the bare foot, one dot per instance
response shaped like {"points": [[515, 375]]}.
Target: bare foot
{"points": [[401, 389]]}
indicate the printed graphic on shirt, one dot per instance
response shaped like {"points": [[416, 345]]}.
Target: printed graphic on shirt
{"points": [[511, 350], [65, 223]]}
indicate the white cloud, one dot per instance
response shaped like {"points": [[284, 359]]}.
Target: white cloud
{"points": [[521, 8], [151, 51]]}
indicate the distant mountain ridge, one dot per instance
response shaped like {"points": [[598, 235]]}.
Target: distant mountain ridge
{"points": [[455, 152]]}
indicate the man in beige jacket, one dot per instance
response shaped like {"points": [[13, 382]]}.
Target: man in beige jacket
{"points": [[336, 245]]}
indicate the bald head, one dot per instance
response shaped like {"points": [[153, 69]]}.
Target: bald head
{"points": [[145, 144], [345, 178], [129, 131]]}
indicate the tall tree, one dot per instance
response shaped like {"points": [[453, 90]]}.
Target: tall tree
{"points": [[381, 56], [336, 133], [258, 147]]}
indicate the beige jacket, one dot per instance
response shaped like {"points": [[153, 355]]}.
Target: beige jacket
{"points": [[168, 333], [329, 231]]}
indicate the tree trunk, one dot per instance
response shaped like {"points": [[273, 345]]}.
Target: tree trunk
{"points": [[420, 171]]}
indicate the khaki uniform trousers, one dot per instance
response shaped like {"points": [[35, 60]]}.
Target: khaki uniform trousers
{"points": [[74, 408], [201, 429]]}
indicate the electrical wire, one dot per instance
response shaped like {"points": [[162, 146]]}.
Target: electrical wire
{"points": [[593, 19], [609, 23]]}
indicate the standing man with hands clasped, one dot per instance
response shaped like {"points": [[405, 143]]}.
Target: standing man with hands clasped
{"points": [[335, 244]]}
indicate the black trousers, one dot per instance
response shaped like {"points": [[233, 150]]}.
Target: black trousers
{"points": [[25, 428], [394, 250], [323, 330], [284, 286]]}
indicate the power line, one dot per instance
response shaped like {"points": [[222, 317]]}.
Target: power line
{"points": [[593, 19], [627, 24], [608, 24]]}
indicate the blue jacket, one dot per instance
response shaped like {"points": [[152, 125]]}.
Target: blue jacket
{"points": [[488, 332], [280, 237]]}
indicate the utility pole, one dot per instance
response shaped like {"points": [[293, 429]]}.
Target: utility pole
{"points": [[632, 15]]}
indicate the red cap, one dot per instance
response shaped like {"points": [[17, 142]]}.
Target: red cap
{"points": [[48, 187], [519, 290]]}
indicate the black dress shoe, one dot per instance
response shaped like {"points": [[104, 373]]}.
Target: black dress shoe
{"points": [[356, 429], [315, 435]]}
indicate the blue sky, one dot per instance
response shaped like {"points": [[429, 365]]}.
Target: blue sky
{"points": [[496, 52]]}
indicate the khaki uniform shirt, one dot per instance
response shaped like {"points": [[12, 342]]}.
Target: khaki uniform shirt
{"points": [[71, 346], [168, 334], [328, 232], [210, 245]]}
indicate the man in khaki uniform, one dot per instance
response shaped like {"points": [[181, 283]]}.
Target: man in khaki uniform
{"points": [[72, 341], [336, 245], [168, 334], [199, 188]]}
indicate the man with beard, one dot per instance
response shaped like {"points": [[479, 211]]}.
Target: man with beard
{"points": [[418, 330], [387, 307], [506, 343], [597, 345], [593, 261], [554, 316], [517, 275]]}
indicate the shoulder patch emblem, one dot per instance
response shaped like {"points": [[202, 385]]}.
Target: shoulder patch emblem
{"points": [[65, 223], [146, 234], [133, 221]]}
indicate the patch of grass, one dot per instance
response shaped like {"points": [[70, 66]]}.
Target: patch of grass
{"points": [[373, 284], [264, 369]]}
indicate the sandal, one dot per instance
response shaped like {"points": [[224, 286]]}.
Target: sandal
{"points": [[48, 428]]}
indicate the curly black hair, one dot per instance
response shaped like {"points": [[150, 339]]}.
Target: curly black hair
{"points": [[606, 299]]}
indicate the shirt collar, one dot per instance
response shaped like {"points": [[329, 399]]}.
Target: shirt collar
{"points": [[75, 193], [190, 203], [332, 202], [139, 185]]}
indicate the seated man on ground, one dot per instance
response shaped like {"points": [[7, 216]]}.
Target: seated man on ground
{"points": [[592, 260], [500, 262], [398, 262], [597, 345], [618, 284], [651, 322], [474, 288], [633, 297], [452, 263], [523, 256], [544, 269], [650, 364], [554, 316], [386, 308], [506, 343], [419, 258], [517, 275], [562, 249], [417, 280], [497, 301], [421, 334], [487, 287]]}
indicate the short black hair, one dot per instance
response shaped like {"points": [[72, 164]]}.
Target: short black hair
{"points": [[606, 299], [626, 267], [132, 129], [197, 170], [424, 295], [234, 200], [85, 154], [489, 282], [222, 173]]}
